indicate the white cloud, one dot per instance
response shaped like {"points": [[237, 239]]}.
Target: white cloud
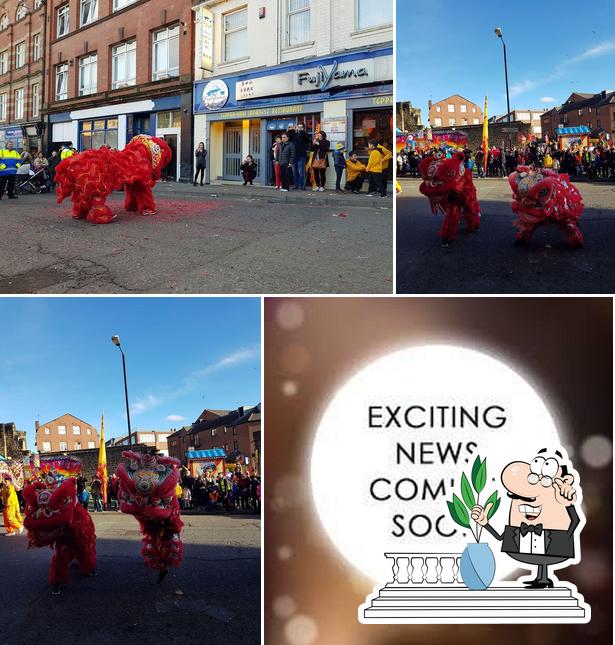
{"points": [[175, 417], [548, 99], [144, 403], [522, 86], [599, 50]]}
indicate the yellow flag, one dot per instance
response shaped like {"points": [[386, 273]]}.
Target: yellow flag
{"points": [[101, 472], [485, 137]]}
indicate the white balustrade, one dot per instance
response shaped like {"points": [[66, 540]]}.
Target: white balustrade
{"points": [[425, 568]]}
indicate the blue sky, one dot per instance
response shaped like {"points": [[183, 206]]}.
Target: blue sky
{"points": [[446, 47], [182, 355]]}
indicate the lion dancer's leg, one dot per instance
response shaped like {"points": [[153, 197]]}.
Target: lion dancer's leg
{"points": [[81, 205], [85, 543], [58, 571], [472, 216], [524, 231], [100, 213], [572, 232], [448, 232], [143, 198]]}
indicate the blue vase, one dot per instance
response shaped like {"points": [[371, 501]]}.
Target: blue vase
{"points": [[477, 566]]}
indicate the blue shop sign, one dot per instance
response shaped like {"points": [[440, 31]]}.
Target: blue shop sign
{"points": [[13, 133]]}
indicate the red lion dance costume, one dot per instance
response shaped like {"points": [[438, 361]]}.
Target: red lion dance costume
{"points": [[54, 518], [91, 176], [147, 491], [450, 190], [541, 196]]}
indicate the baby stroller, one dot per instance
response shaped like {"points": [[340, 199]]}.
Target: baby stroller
{"points": [[33, 183]]}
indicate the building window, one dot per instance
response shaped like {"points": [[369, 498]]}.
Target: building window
{"points": [[89, 11], [19, 102], [21, 12], [4, 62], [438, 108], [88, 431], [120, 4], [580, 112], [235, 35], [46, 446], [165, 53], [213, 432], [47, 431], [451, 107], [76, 430], [61, 82], [3, 107], [438, 122], [61, 429], [464, 108], [451, 121], [4, 22], [36, 47], [234, 432], [226, 447], [235, 445], [146, 437], [77, 445], [168, 119], [197, 441], [373, 14], [20, 55], [464, 122], [63, 445], [91, 444], [87, 74], [298, 22], [38, 4], [173, 442], [62, 21], [475, 121], [124, 69], [97, 133]]}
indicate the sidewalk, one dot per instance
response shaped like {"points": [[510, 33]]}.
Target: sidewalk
{"points": [[270, 194]]}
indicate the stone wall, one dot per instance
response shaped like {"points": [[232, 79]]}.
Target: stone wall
{"points": [[496, 136]]}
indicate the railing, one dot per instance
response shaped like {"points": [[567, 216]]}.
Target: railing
{"points": [[424, 568]]}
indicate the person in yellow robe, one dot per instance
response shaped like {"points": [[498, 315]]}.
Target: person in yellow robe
{"points": [[374, 168], [13, 521], [387, 155]]}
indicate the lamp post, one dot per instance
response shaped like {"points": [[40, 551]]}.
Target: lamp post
{"points": [[498, 33], [116, 341]]}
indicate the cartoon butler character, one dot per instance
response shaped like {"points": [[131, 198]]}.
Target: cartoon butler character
{"points": [[542, 519]]}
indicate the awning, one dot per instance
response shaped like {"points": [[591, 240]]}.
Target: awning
{"points": [[580, 129], [214, 453]]}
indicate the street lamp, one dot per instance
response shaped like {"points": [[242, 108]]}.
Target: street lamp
{"points": [[116, 341], [498, 33]]}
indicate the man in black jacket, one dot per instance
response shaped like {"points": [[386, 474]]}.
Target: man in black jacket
{"points": [[301, 140], [288, 157]]}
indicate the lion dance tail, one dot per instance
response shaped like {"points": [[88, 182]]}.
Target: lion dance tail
{"points": [[162, 544]]}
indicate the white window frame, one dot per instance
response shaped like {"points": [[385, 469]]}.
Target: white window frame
{"points": [[452, 122], [62, 430], [359, 27], [4, 22], [20, 102], [77, 445], [92, 12], [438, 122], [91, 444], [121, 53], [61, 13], [46, 446], [451, 108], [21, 12], [38, 4], [88, 431], [63, 445], [89, 61], [36, 47], [47, 431], [233, 31], [78, 430], [4, 61], [120, 4], [20, 55], [168, 72], [438, 108], [290, 16], [61, 95], [476, 121], [463, 108]]}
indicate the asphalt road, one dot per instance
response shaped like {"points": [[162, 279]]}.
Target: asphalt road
{"points": [[214, 597], [487, 261], [206, 239]]}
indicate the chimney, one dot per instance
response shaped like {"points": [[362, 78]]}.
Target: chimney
{"points": [[240, 410], [36, 426], [603, 94], [429, 104]]}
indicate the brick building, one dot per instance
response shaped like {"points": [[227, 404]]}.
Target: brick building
{"points": [[22, 82], [150, 438], [596, 111], [529, 117], [119, 68], [13, 442], [65, 433], [454, 111]]}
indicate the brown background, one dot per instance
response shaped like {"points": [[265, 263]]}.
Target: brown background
{"points": [[562, 345]]}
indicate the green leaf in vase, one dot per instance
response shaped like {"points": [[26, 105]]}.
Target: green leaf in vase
{"points": [[467, 493]]}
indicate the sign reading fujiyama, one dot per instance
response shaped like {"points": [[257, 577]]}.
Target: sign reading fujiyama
{"points": [[324, 76]]}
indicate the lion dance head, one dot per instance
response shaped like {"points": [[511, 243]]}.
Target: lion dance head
{"points": [[158, 152]]}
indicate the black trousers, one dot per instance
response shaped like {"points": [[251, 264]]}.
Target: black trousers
{"points": [[199, 169], [356, 183], [285, 172], [383, 187], [10, 180], [320, 175], [375, 182]]}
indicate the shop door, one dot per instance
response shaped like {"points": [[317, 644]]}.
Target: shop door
{"points": [[255, 145], [232, 153], [169, 172]]}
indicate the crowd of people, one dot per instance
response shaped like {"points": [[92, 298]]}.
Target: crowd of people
{"points": [[595, 163]]}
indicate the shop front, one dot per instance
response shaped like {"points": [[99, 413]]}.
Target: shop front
{"points": [[348, 96], [25, 136]]}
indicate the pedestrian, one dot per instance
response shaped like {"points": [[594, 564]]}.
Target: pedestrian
{"points": [[66, 151], [355, 173], [200, 156], [276, 149], [248, 170], [10, 162], [96, 488], [287, 159], [320, 161], [84, 498], [13, 522], [187, 497], [339, 163], [301, 140], [179, 493], [387, 155], [374, 169]]}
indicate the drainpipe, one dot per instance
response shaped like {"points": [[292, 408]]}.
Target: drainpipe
{"points": [[43, 98]]}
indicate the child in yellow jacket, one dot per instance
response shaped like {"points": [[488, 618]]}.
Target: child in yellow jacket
{"points": [[355, 173], [374, 168], [387, 155]]}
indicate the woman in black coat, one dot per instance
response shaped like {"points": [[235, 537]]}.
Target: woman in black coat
{"points": [[320, 160], [200, 156]]}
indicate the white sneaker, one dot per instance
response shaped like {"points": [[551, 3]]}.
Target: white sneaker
{"points": [[21, 529], [10, 534], [321, 189], [284, 190]]}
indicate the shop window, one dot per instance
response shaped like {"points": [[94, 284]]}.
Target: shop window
{"points": [[88, 68], [88, 12], [373, 14], [35, 100], [19, 103], [36, 47], [62, 21], [165, 53], [235, 35], [97, 133], [4, 61], [371, 124], [61, 82], [124, 64], [298, 22], [168, 119], [20, 55]]}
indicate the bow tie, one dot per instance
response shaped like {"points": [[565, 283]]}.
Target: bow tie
{"points": [[525, 528]]}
